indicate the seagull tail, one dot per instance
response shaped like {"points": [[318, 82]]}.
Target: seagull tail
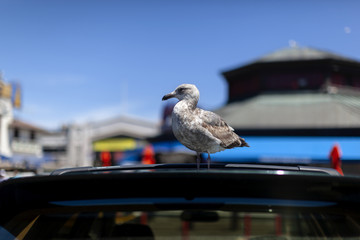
{"points": [[239, 142], [243, 142]]}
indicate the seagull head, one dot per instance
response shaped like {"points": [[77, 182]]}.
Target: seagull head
{"points": [[184, 91]]}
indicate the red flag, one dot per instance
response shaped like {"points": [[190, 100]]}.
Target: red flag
{"points": [[148, 155], [335, 157]]}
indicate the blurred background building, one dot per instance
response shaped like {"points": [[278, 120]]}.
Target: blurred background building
{"points": [[10, 98], [117, 141], [109, 142], [296, 104], [26, 147]]}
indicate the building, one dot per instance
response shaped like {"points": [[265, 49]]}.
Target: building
{"points": [[54, 147], [289, 70], [294, 105], [10, 98], [6, 118], [120, 140], [25, 145], [115, 141]]}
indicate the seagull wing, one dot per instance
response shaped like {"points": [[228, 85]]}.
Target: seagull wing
{"points": [[220, 129]]}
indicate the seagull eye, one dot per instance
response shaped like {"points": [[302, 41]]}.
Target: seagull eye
{"points": [[181, 90]]}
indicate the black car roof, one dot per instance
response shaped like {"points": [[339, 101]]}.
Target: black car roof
{"points": [[177, 181], [276, 169]]}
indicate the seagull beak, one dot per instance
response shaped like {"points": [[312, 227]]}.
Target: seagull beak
{"points": [[167, 96]]}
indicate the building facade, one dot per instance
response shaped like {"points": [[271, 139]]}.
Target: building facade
{"points": [[10, 98], [6, 117], [295, 90], [290, 70], [294, 106], [101, 143], [25, 145]]}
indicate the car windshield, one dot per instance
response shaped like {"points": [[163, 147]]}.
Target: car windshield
{"points": [[86, 220], [180, 205]]}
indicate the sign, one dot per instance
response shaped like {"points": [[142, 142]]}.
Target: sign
{"points": [[11, 91], [16, 95], [114, 145]]}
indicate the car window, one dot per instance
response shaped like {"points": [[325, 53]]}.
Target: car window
{"points": [[237, 220], [4, 234]]}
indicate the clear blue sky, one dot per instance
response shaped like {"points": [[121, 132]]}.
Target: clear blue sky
{"points": [[80, 60]]}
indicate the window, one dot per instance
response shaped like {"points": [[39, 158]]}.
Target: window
{"points": [[32, 135], [188, 224], [16, 133]]}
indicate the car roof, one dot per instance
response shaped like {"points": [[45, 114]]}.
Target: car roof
{"points": [[176, 181], [243, 168]]}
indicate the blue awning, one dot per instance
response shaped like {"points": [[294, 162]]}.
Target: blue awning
{"points": [[4, 157], [171, 147], [279, 149], [291, 150]]}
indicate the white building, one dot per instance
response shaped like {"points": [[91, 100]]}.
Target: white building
{"points": [[6, 118], [76, 145], [25, 144], [10, 97]]}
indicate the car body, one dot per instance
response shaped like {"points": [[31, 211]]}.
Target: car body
{"points": [[177, 201]]}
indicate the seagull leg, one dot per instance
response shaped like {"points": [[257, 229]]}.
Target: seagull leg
{"points": [[208, 160], [198, 160]]}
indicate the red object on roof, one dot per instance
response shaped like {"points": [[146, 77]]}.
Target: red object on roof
{"points": [[105, 159], [335, 157], [148, 155]]}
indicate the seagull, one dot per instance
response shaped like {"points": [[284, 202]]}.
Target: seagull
{"points": [[197, 129]]}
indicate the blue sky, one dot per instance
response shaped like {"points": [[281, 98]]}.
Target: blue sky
{"points": [[81, 60]]}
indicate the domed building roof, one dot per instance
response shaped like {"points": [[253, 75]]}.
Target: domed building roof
{"points": [[294, 88]]}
